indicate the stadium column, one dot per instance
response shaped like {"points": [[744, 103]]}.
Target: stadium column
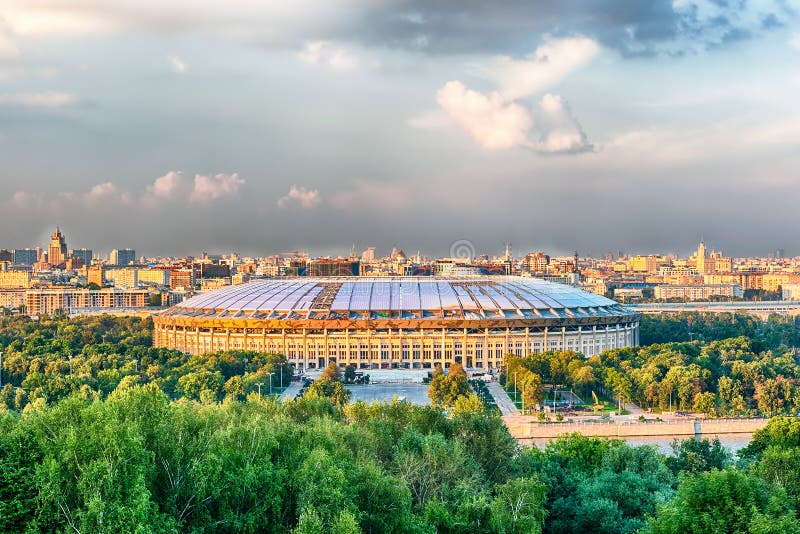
{"points": [[506, 349], [464, 351], [563, 338], [545, 348], [444, 348], [285, 349], [305, 348], [487, 350], [328, 352], [527, 341], [227, 339]]}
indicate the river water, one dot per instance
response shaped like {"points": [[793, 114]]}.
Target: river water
{"points": [[732, 442]]}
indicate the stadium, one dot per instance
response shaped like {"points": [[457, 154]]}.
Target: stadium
{"points": [[397, 323]]}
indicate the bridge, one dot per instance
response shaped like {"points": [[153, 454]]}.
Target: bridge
{"points": [[763, 309]]}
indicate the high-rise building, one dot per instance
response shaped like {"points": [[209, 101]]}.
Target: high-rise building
{"points": [[25, 256], [84, 254], [368, 256], [181, 278], [124, 256], [57, 251], [95, 275]]}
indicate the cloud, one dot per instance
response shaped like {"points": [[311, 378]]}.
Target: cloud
{"points": [[210, 188], [442, 27], [492, 121], [560, 130], [106, 192], [327, 54], [177, 65], [37, 100], [167, 187], [500, 120], [298, 195], [23, 199], [547, 65]]}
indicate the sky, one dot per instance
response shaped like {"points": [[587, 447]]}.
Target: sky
{"points": [[259, 127]]}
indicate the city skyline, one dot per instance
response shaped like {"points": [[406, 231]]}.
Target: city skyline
{"points": [[458, 249], [552, 126]]}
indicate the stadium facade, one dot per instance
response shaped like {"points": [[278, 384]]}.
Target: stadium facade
{"points": [[397, 323]]}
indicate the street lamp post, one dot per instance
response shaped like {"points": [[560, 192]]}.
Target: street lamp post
{"points": [[515, 386], [270, 383], [1, 368], [259, 389]]}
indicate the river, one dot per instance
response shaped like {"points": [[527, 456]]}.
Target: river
{"points": [[732, 442]]}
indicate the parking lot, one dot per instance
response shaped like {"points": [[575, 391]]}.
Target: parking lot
{"points": [[382, 392]]}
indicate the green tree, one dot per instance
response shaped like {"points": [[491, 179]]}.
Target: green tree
{"points": [[518, 506], [328, 389], [350, 373], [724, 501]]}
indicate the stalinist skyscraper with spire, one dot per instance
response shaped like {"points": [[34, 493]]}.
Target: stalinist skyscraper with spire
{"points": [[57, 251]]}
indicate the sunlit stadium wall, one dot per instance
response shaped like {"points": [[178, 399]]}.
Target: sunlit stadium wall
{"points": [[398, 323]]}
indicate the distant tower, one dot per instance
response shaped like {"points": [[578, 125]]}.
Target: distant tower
{"points": [[700, 258], [576, 262], [57, 251], [508, 251]]}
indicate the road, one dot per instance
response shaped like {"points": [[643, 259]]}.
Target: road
{"points": [[502, 399], [291, 392]]}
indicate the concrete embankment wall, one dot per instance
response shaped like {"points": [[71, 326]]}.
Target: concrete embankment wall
{"points": [[525, 428]]}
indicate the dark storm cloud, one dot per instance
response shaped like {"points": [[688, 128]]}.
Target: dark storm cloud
{"points": [[633, 27]]}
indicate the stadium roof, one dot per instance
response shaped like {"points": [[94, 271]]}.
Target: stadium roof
{"points": [[354, 298]]}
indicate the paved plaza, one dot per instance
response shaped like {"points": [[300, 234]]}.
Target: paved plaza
{"points": [[384, 392]]}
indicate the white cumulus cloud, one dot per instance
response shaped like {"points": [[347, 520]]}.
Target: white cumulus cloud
{"points": [[104, 192], [547, 65], [560, 131], [210, 188], [502, 119], [328, 54], [490, 119], [167, 187], [299, 195]]}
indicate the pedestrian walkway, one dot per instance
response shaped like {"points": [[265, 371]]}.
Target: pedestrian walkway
{"points": [[291, 392], [501, 398]]}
